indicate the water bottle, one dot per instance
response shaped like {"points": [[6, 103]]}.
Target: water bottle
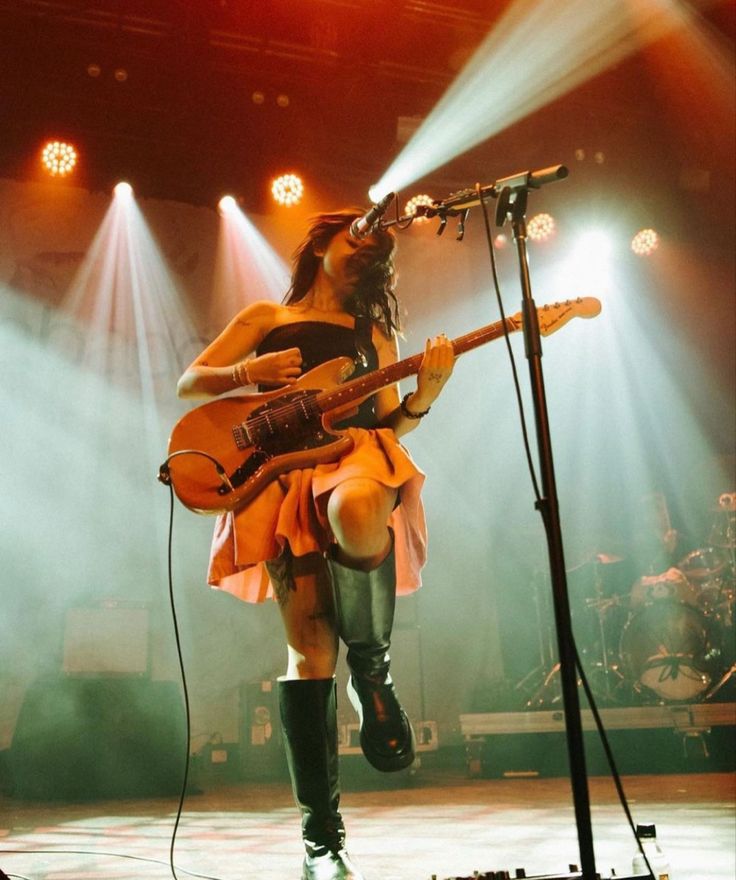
{"points": [[647, 834]]}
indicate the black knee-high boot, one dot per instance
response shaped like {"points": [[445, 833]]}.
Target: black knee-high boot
{"points": [[309, 722], [365, 602]]}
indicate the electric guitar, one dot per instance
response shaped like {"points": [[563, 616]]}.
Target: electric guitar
{"points": [[223, 453]]}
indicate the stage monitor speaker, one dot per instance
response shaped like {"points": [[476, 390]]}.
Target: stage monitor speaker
{"points": [[87, 738]]}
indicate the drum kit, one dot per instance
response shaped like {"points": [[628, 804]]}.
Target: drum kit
{"points": [[669, 637]]}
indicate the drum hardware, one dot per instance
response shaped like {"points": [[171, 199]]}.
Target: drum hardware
{"points": [[721, 682], [714, 569], [723, 528], [605, 676], [607, 673], [669, 584], [545, 643]]}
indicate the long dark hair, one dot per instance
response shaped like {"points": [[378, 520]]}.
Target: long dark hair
{"points": [[374, 295]]}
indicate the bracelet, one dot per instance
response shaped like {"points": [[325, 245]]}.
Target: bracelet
{"points": [[405, 411], [238, 370]]}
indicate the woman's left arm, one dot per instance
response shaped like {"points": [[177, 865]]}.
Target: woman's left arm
{"points": [[404, 415]]}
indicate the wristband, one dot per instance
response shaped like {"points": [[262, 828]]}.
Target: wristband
{"points": [[241, 375], [405, 411]]}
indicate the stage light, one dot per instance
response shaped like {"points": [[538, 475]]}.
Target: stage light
{"points": [[538, 51], [58, 158], [287, 189], [541, 227], [411, 206], [645, 242], [123, 190], [226, 204]]}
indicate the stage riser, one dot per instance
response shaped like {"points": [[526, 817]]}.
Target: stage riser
{"points": [[635, 752]]}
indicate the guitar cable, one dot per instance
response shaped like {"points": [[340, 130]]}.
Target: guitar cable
{"points": [[610, 759]]}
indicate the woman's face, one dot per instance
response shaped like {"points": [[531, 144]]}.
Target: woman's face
{"points": [[345, 257]]}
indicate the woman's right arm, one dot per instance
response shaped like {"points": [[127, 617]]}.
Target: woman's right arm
{"points": [[225, 364]]}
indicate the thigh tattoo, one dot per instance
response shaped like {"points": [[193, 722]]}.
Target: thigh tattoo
{"points": [[281, 572]]}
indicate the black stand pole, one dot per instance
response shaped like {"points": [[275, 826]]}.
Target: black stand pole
{"points": [[513, 203], [512, 193]]}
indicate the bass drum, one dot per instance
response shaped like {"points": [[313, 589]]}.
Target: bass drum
{"points": [[664, 647]]}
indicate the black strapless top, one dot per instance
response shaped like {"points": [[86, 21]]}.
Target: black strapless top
{"points": [[320, 341]]}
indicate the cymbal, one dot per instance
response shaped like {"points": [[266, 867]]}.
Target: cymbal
{"points": [[596, 559], [608, 558], [726, 503]]}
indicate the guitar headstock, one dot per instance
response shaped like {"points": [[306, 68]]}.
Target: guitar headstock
{"points": [[552, 317]]}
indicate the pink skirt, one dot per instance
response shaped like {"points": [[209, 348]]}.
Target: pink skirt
{"points": [[293, 509]]}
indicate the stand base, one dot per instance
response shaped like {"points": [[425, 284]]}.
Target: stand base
{"points": [[519, 872]]}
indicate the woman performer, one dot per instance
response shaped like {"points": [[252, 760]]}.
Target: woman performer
{"points": [[334, 543]]}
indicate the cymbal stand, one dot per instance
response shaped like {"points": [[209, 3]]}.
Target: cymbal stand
{"points": [[724, 536], [601, 606], [547, 664]]}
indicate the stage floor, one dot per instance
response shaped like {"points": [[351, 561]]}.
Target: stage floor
{"points": [[440, 822]]}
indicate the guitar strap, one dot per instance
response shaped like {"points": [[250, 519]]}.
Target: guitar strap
{"points": [[363, 339]]}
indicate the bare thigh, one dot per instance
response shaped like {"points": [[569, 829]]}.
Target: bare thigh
{"points": [[304, 594]]}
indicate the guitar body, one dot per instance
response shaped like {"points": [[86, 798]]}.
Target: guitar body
{"points": [[254, 438]]}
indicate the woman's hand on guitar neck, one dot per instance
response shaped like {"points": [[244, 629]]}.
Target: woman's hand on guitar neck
{"points": [[436, 369]]}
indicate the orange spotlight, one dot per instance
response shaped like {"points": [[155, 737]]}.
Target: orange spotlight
{"points": [[645, 242], [541, 227], [411, 206], [58, 158], [287, 189]]}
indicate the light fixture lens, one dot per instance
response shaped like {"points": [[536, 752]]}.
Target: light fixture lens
{"points": [[541, 227], [287, 189], [645, 242], [227, 204], [58, 158]]}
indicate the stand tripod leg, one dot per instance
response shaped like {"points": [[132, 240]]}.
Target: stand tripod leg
{"points": [[724, 678]]}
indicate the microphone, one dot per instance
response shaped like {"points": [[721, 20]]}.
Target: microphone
{"points": [[362, 227]]}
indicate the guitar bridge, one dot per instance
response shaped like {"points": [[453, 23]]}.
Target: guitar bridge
{"points": [[241, 436]]}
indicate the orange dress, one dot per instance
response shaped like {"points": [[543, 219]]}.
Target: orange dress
{"points": [[293, 508]]}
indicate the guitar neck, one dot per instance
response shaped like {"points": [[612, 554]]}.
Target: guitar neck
{"points": [[366, 385]]}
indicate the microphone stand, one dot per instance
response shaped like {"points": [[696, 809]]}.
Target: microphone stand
{"points": [[512, 193]]}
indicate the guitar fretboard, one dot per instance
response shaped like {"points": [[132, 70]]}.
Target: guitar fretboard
{"points": [[366, 385]]}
